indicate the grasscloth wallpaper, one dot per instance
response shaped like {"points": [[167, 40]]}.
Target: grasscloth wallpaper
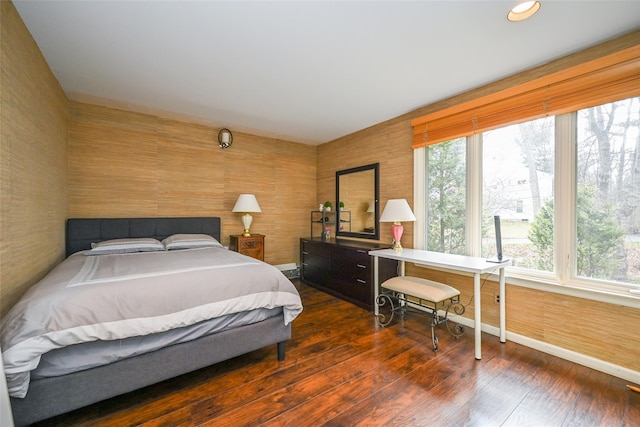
{"points": [[64, 159], [124, 164], [33, 161]]}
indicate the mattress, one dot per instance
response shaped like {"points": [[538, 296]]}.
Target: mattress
{"points": [[79, 357]]}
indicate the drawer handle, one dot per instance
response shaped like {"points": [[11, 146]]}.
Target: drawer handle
{"points": [[305, 253], [362, 281], [362, 251], [305, 264], [362, 266]]}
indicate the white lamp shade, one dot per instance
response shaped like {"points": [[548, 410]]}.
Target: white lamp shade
{"points": [[397, 210], [247, 203], [371, 208]]}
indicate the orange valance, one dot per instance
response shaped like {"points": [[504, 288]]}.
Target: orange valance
{"points": [[606, 79]]}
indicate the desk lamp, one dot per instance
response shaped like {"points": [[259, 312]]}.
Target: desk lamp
{"points": [[396, 211]]}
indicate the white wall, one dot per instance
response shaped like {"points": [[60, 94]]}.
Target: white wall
{"points": [[6, 416]]}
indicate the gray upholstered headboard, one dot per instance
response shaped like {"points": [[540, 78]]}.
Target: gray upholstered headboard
{"points": [[81, 232]]}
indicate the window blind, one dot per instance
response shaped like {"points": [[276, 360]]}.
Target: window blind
{"points": [[606, 79]]}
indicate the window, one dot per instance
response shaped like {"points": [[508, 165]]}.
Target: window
{"points": [[608, 192], [446, 211], [518, 171], [595, 178]]}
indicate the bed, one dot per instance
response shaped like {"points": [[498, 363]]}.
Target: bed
{"points": [[160, 343]]}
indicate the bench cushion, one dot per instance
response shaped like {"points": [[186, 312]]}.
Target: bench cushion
{"points": [[421, 288]]}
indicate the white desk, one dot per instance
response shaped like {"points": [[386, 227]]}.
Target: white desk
{"points": [[468, 264]]}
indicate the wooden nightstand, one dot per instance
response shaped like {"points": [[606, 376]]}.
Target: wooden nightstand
{"points": [[252, 246]]}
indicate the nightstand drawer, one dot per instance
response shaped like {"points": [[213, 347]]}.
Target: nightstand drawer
{"points": [[249, 243], [252, 246]]}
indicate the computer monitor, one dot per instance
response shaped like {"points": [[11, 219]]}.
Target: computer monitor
{"points": [[499, 258]]}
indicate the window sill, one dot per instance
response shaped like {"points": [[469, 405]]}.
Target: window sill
{"points": [[619, 296], [612, 296]]}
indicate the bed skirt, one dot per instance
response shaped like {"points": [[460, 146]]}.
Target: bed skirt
{"points": [[48, 397]]}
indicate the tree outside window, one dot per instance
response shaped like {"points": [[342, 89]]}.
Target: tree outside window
{"points": [[608, 192], [446, 199], [518, 179]]}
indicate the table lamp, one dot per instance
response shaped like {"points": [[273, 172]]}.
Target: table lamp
{"points": [[396, 211], [372, 207], [246, 203]]}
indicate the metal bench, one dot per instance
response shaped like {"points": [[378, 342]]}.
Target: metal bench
{"points": [[434, 298]]}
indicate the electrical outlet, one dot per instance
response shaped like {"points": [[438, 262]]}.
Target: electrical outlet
{"points": [[496, 298]]}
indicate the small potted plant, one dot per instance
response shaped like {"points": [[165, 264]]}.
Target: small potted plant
{"points": [[341, 206], [327, 206]]}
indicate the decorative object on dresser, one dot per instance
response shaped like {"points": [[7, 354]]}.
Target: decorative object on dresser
{"points": [[252, 246], [326, 219], [246, 203], [343, 268], [225, 138], [396, 211]]}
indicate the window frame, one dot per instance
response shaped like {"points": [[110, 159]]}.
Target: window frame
{"points": [[564, 278]]}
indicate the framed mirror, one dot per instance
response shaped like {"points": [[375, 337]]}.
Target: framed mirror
{"points": [[357, 202]]}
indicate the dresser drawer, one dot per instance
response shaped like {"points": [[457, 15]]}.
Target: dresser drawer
{"points": [[311, 259], [351, 265], [315, 248]]}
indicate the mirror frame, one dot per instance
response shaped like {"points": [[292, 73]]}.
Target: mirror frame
{"points": [[376, 198]]}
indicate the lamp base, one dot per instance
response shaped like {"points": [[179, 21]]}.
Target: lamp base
{"points": [[246, 221], [396, 231], [396, 246]]}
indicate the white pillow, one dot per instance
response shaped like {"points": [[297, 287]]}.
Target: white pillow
{"points": [[124, 246], [188, 241]]}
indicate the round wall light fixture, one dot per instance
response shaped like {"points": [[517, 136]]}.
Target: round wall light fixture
{"points": [[225, 138]]}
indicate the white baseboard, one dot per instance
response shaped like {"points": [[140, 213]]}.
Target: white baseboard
{"points": [[286, 267], [572, 356]]}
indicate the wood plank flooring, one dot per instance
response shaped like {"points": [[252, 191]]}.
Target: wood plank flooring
{"points": [[342, 369]]}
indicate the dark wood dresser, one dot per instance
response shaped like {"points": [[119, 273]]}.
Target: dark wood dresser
{"points": [[343, 268]]}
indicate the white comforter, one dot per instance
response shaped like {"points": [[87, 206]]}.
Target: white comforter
{"points": [[110, 297]]}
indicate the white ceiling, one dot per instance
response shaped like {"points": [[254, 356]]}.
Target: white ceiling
{"points": [[304, 71]]}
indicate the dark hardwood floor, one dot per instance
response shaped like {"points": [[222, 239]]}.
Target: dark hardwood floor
{"points": [[342, 369]]}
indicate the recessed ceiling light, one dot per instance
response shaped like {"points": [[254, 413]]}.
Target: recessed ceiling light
{"points": [[523, 11]]}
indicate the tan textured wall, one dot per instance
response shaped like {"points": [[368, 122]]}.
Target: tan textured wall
{"points": [[601, 330], [384, 144], [33, 161], [124, 164]]}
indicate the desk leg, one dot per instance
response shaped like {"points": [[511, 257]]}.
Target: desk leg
{"points": [[376, 285], [503, 304], [478, 315]]}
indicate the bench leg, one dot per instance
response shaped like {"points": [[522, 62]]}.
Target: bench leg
{"points": [[437, 320], [383, 301], [434, 337]]}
